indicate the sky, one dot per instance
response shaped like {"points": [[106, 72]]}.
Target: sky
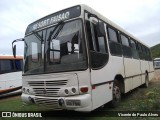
{"points": [[139, 17]]}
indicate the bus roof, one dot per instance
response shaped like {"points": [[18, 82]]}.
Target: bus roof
{"points": [[73, 9], [156, 58], [4, 57], [89, 9]]}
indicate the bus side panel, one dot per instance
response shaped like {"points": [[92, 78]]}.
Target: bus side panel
{"points": [[128, 84], [144, 68], [151, 69], [84, 81], [132, 73], [101, 95], [101, 78], [109, 71], [14, 80], [2, 85], [137, 81], [132, 67]]}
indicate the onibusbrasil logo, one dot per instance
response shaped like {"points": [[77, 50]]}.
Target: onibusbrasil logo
{"points": [[21, 114]]}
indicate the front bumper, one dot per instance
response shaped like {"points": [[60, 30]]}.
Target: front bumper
{"points": [[77, 103]]}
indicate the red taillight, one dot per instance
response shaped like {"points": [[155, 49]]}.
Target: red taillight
{"points": [[93, 87], [84, 89]]}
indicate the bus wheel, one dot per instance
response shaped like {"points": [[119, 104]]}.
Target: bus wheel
{"points": [[116, 94], [146, 84]]}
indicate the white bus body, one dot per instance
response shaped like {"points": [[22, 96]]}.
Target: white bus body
{"points": [[76, 65], [10, 75], [157, 63]]}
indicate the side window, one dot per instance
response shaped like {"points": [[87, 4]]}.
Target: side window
{"points": [[98, 42], [134, 49], [114, 44], [143, 48], [112, 34], [21, 64], [133, 44], [101, 43], [144, 52], [140, 50], [6, 66], [34, 48], [126, 46], [12, 64], [139, 47], [100, 49], [149, 54], [124, 40], [18, 65], [89, 34]]}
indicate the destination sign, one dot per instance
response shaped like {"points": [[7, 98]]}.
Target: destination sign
{"points": [[54, 18], [51, 20]]}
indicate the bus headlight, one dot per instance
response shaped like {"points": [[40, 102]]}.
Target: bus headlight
{"points": [[23, 90], [73, 90], [66, 91], [27, 90]]}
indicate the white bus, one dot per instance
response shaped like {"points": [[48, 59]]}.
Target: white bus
{"points": [[157, 63], [10, 75], [76, 59]]}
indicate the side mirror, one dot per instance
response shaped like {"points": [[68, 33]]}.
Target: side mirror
{"points": [[100, 29], [14, 47], [14, 51]]}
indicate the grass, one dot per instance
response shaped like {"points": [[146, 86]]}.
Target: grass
{"points": [[139, 99], [15, 104]]}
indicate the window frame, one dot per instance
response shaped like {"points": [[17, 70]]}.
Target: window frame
{"points": [[132, 40], [122, 34], [116, 31], [114, 42], [96, 39], [126, 46]]}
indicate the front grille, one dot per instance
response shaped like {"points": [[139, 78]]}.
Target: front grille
{"points": [[48, 92], [51, 103], [47, 83], [47, 88]]}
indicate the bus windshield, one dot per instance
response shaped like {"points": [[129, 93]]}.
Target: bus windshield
{"points": [[55, 49]]}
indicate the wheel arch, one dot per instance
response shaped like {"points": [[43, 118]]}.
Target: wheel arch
{"points": [[119, 78], [146, 72]]}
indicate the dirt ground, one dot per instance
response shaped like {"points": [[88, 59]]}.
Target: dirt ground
{"points": [[156, 81], [157, 74]]}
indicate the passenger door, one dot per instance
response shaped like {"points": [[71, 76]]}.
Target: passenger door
{"points": [[98, 55]]}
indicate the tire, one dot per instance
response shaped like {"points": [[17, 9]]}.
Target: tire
{"points": [[146, 84], [116, 95]]}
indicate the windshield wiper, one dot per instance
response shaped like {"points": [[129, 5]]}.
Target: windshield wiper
{"points": [[57, 32], [38, 36]]}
